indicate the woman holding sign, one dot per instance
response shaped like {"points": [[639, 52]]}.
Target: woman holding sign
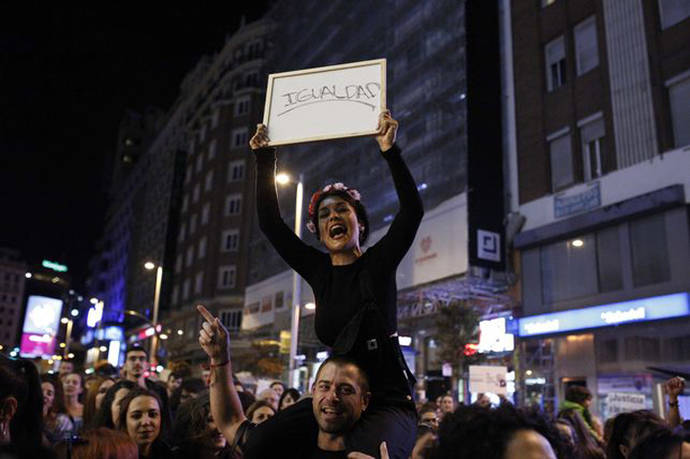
{"points": [[355, 291]]}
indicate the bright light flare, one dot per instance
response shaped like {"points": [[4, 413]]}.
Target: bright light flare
{"points": [[282, 179], [149, 265]]}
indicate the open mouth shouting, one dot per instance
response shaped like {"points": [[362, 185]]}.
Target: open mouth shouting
{"points": [[337, 231]]}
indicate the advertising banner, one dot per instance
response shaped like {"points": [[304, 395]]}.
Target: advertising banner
{"points": [[490, 379], [41, 324]]}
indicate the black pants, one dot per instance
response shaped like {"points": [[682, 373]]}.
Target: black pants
{"points": [[293, 432]]}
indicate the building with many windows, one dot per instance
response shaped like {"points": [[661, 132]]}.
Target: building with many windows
{"points": [[12, 271], [599, 103]]}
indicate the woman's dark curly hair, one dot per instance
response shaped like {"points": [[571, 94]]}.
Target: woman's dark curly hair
{"points": [[104, 415], [659, 443], [476, 432], [629, 429], [190, 426]]}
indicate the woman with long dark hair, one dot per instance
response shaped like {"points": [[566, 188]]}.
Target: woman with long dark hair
{"points": [[585, 445], [94, 397], [56, 423], [109, 412], [140, 417], [194, 432]]}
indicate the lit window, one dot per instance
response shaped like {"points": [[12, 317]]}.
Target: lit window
{"points": [[586, 51], [555, 64]]}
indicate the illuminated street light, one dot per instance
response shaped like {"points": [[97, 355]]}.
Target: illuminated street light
{"points": [[28, 275], [93, 300], [283, 179], [74, 312], [70, 355], [163, 336], [63, 345], [103, 349], [578, 243], [64, 320], [180, 332], [149, 265]]}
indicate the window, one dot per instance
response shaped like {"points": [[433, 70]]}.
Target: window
{"points": [[609, 263], [679, 97], [608, 351], [226, 276], [239, 138], [185, 203], [586, 51], [191, 146], [642, 348], [232, 319], [208, 182], [673, 11], [205, 213], [181, 234], [201, 252], [230, 240], [649, 251], [198, 282], [175, 294], [195, 193], [178, 263], [233, 204], [279, 299], [212, 149], [561, 155], [214, 117], [236, 170], [192, 224], [190, 256], [592, 138], [188, 175], [185, 289], [569, 269], [251, 78], [242, 106], [202, 133], [555, 64], [199, 162]]}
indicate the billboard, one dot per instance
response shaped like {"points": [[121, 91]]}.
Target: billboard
{"points": [[41, 324]]}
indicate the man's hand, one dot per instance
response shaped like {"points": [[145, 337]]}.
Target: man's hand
{"points": [[214, 338], [383, 449], [260, 139], [674, 387], [387, 130]]}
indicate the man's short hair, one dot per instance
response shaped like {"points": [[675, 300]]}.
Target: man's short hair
{"points": [[176, 375], [341, 361], [136, 347], [578, 394], [427, 408]]}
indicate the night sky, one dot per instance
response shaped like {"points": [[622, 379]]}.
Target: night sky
{"points": [[67, 74]]}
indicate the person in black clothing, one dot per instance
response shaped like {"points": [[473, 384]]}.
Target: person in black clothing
{"points": [[340, 396], [355, 291]]}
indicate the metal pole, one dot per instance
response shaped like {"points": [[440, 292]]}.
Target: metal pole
{"points": [[156, 300], [68, 335], [296, 289]]}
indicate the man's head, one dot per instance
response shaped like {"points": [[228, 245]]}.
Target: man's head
{"points": [[66, 367], [447, 404], [580, 395], [341, 395], [174, 381], [269, 396], [136, 362], [428, 416], [278, 387]]}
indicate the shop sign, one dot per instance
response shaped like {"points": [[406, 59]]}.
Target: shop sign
{"points": [[493, 336], [640, 310], [584, 201], [624, 402]]}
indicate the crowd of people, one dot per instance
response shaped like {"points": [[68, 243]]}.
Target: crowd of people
{"points": [[361, 402]]}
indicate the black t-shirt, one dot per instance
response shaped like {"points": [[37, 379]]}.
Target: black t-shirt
{"points": [[337, 288]]}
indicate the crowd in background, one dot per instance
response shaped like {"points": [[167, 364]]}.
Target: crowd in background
{"points": [[125, 414]]}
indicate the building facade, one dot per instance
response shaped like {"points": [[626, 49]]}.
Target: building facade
{"points": [[12, 271], [599, 113]]}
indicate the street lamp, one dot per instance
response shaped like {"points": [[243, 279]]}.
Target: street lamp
{"points": [[149, 265], [284, 179]]}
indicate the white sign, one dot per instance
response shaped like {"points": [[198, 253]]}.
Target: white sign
{"points": [[440, 246], [325, 103], [493, 336], [622, 402], [488, 245], [488, 379]]}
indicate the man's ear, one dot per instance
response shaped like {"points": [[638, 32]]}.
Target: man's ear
{"points": [[8, 408], [313, 388], [366, 398]]}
